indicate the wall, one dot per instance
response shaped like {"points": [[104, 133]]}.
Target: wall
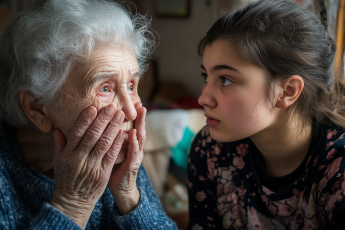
{"points": [[176, 54]]}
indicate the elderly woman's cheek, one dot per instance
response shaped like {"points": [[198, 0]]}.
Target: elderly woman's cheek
{"points": [[104, 99]]}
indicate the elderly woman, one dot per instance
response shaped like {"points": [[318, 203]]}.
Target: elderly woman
{"points": [[72, 126]]}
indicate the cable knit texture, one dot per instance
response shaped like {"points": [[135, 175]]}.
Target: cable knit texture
{"points": [[25, 195]]}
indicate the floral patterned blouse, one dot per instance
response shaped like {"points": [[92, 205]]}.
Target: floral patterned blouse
{"points": [[226, 192]]}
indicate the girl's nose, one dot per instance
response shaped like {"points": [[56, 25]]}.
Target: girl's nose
{"points": [[206, 98]]}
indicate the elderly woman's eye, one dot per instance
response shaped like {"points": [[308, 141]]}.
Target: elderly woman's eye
{"points": [[131, 88], [105, 89]]}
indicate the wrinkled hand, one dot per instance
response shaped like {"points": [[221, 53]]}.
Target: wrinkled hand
{"points": [[83, 164], [122, 183]]}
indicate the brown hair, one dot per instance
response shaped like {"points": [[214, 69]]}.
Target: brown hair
{"points": [[286, 40]]}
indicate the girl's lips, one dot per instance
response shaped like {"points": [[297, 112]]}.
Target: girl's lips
{"points": [[211, 121]]}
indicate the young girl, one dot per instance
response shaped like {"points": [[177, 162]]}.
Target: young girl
{"points": [[272, 155]]}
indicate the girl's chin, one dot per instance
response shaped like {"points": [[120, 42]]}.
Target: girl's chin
{"points": [[219, 136]]}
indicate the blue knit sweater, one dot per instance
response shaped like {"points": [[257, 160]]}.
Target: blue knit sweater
{"points": [[25, 195]]}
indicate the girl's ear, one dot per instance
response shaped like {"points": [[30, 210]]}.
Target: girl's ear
{"points": [[291, 89], [36, 114]]}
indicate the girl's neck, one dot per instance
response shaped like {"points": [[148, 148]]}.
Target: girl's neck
{"points": [[284, 145], [38, 149]]}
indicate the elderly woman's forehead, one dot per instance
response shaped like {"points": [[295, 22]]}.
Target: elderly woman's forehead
{"points": [[119, 51], [106, 59]]}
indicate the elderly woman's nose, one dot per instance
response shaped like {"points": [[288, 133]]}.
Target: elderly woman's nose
{"points": [[127, 106]]}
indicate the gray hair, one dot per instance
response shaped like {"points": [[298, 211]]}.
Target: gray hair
{"points": [[39, 48]]}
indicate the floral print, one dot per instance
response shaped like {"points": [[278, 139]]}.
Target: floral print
{"points": [[226, 193]]}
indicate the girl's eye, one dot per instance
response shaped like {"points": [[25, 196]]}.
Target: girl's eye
{"points": [[205, 77], [131, 88], [105, 89], [226, 81]]}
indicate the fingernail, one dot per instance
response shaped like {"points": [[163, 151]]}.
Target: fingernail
{"points": [[110, 109]]}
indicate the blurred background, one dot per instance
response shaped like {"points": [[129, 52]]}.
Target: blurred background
{"points": [[172, 84]]}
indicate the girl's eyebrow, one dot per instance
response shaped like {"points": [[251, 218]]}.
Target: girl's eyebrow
{"points": [[220, 67]]}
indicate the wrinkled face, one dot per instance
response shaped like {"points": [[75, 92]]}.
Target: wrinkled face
{"points": [[110, 75], [233, 95]]}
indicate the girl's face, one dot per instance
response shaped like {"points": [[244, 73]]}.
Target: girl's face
{"points": [[233, 95]]}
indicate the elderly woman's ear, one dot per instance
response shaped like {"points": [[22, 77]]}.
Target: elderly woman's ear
{"points": [[37, 115]]}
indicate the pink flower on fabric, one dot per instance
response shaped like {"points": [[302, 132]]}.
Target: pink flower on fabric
{"points": [[216, 149], [229, 187], [315, 161], [232, 207], [189, 184], [273, 208], [200, 196], [210, 166], [336, 185], [254, 219], [242, 149], [296, 191], [238, 162], [221, 197], [259, 221], [329, 144], [267, 191], [332, 200], [205, 131], [331, 154], [343, 186], [284, 209], [333, 168], [308, 161], [232, 198], [331, 133]]}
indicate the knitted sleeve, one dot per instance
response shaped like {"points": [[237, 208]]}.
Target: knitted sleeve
{"points": [[47, 218], [51, 218], [202, 198], [149, 214]]}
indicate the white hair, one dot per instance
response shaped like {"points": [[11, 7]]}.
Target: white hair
{"points": [[39, 49]]}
